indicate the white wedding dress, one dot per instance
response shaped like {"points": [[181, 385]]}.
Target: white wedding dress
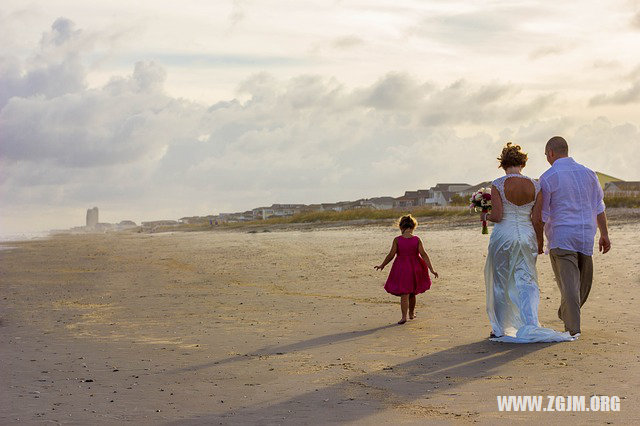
{"points": [[511, 278]]}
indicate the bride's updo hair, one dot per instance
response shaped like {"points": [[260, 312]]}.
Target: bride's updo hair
{"points": [[407, 222], [512, 156]]}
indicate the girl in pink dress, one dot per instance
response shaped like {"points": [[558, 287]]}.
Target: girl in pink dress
{"points": [[410, 270]]}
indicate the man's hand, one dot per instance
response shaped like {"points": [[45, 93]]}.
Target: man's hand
{"points": [[604, 245], [540, 244]]}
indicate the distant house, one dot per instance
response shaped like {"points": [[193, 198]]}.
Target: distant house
{"points": [[231, 217], [409, 199], [193, 219], [421, 197], [425, 197], [156, 223], [353, 205], [261, 213], [337, 207], [439, 195], [442, 197], [126, 224], [605, 179], [451, 187], [443, 192], [381, 203], [475, 188], [622, 188], [235, 217], [276, 210], [311, 208]]}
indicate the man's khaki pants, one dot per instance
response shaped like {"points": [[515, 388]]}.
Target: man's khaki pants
{"points": [[574, 275]]}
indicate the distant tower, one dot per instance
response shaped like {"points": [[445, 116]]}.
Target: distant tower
{"points": [[92, 217]]}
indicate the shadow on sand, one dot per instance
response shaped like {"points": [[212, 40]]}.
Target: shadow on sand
{"points": [[364, 395], [283, 349]]}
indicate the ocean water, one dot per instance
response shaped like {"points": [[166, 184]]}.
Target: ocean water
{"points": [[6, 239]]}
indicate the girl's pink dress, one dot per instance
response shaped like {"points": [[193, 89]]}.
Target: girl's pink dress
{"points": [[409, 273]]}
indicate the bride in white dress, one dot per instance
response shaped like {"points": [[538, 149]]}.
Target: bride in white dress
{"points": [[510, 272]]}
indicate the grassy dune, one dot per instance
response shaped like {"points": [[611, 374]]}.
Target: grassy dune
{"points": [[455, 213], [622, 201], [333, 216], [371, 214]]}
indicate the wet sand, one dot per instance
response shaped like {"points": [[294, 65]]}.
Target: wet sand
{"points": [[293, 327]]}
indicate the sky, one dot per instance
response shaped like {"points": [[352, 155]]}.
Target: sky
{"points": [[159, 110]]}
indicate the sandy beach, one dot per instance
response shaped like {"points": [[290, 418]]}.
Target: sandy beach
{"points": [[294, 327]]}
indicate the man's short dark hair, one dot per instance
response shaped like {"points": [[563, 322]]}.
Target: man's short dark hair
{"points": [[558, 145]]}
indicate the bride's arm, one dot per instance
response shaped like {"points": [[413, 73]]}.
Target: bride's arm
{"points": [[536, 220], [496, 206]]}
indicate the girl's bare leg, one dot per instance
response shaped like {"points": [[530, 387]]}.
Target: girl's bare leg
{"points": [[412, 306], [404, 306]]}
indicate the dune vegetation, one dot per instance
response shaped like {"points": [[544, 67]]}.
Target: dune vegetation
{"points": [[628, 201]]}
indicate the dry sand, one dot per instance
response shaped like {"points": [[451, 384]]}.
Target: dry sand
{"points": [[292, 327]]}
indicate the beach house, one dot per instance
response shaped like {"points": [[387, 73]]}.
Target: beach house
{"points": [[622, 188]]}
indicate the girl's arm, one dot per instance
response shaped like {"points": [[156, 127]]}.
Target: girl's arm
{"points": [[390, 256], [496, 206], [425, 256]]}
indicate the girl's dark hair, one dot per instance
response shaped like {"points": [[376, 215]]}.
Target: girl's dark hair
{"points": [[407, 222], [512, 155]]}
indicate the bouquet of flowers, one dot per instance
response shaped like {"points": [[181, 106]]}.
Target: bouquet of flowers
{"points": [[482, 200]]}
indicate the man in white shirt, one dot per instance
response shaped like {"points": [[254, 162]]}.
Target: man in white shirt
{"points": [[571, 209]]}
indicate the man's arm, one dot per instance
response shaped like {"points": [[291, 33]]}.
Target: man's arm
{"points": [[604, 245], [541, 212], [538, 224], [545, 205]]}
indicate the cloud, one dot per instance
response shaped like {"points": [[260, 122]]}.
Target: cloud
{"points": [[537, 132], [304, 139], [635, 21], [394, 91], [496, 27], [127, 119], [130, 147], [289, 139], [237, 13], [629, 95], [204, 60], [462, 103], [62, 32], [602, 64], [56, 68], [622, 140], [346, 42], [634, 74], [474, 28], [534, 108], [546, 51], [620, 97]]}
